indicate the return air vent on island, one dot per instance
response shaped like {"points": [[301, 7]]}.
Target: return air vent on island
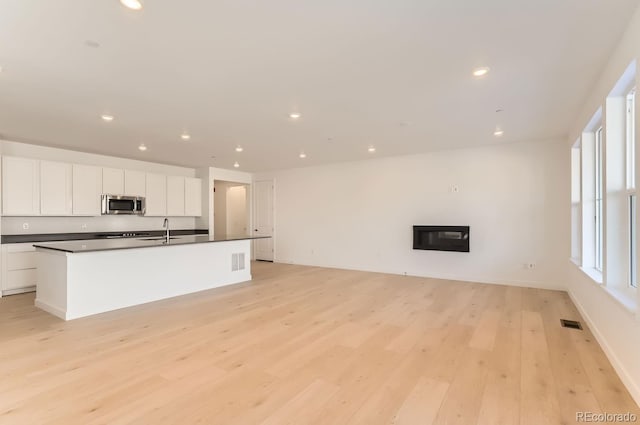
{"points": [[441, 238], [237, 262]]}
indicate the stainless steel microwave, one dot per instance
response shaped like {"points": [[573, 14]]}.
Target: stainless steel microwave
{"points": [[120, 204]]}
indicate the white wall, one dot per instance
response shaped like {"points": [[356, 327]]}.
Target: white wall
{"points": [[14, 225], [617, 328], [237, 211], [206, 220], [359, 215], [54, 154], [231, 211], [208, 176], [220, 208]]}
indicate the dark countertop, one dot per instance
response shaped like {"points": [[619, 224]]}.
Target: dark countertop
{"points": [[96, 245], [51, 237]]}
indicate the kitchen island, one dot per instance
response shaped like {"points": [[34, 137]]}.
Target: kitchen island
{"points": [[82, 278]]}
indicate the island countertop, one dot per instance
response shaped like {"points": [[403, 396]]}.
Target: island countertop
{"points": [[128, 243]]}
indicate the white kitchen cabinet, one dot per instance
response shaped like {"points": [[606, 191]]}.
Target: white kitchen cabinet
{"points": [[87, 190], [134, 183], [20, 186], [156, 194], [19, 268], [55, 188], [112, 181], [175, 196], [192, 197]]}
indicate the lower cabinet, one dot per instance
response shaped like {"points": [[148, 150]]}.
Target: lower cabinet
{"points": [[19, 268]]}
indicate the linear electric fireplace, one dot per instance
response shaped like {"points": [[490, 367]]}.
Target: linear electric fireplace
{"points": [[441, 238]]}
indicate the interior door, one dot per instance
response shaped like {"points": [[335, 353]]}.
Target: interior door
{"points": [[263, 219]]}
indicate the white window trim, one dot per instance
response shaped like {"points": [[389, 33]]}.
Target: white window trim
{"points": [[625, 297], [599, 195], [594, 274]]}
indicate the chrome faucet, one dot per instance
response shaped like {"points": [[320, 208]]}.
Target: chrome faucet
{"points": [[166, 226]]}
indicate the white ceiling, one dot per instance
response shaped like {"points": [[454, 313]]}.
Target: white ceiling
{"points": [[395, 74]]}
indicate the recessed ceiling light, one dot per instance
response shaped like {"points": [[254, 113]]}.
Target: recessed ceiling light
{"points": [[371, 149], [106, 117], [480, 72], [302, 155], [142, 147], [239, 148], [295, 115], [185, 136], [236, 165], [132, 4], [499, 132]]}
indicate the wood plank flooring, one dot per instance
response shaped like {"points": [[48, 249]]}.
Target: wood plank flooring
{"points": [[305, 345]]}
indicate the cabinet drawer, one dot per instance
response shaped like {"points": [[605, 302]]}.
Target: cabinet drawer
{"points": [[21, 260], [17, 279]]}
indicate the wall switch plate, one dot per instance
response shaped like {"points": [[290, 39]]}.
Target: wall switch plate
{"points": [[25, 226]]}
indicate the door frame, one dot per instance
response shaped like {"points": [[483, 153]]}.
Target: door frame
{"points": [[273, 215]]}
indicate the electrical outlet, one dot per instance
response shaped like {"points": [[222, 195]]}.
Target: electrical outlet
{"points": [[530, 266], [454, 189], [25, 226], [84, 226]]}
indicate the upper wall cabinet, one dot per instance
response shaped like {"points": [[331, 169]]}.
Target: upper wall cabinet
{"points": [[112, 181], [192, 197], [134, 183], [175, 196], [55, 188], [32, 187], [156, 195], [87, 190], [20, 186]]}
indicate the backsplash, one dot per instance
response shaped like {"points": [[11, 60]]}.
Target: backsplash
{"points": [[15, 225]]}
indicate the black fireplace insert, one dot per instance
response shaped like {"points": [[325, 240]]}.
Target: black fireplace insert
{"points": [[441, 238]]}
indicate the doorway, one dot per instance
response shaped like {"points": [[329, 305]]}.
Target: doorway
{"points": [[230, 208], [263, 219]]}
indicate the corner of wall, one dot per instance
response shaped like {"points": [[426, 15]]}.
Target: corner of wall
{"points": [[627, 378]]}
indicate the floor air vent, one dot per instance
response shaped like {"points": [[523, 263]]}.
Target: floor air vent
{"points": [[570, 324]]}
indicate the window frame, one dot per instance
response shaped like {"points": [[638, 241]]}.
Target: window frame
{"points": [[599, 194], [630, 160]]}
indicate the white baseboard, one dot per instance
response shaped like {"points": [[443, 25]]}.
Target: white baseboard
{"points": [[626, 378], [520, 283], [58, 312]]}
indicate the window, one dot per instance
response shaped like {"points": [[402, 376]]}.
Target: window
{"points": [[604, 202], [599, 192], [576, 204], [633, 253], [631, 185], [631, 138]]}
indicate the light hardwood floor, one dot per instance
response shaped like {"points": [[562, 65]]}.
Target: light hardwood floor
{"points": [[304, 345]]}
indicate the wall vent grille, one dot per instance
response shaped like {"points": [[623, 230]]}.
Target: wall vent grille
{"points": [[573, 324], [237, 262]]}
